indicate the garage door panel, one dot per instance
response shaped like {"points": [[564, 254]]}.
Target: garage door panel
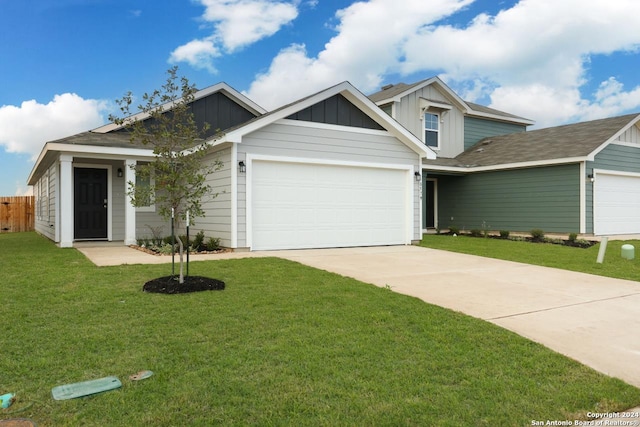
{"points": [[616, 204], [297, 205]]}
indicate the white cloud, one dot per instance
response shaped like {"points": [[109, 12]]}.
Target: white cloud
{"points": [[531, 59], [368, 46], [236, 24], [198, 53], [25, 128]]}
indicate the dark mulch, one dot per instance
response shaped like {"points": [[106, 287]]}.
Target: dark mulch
{"points": [[170, 285]]}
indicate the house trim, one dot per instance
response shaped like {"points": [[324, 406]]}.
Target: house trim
{"points": [[583, 197], [613, 139], [472, 169], [352, 95]]}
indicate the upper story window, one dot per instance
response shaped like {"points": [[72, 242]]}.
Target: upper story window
{"points": [[432, 130]]}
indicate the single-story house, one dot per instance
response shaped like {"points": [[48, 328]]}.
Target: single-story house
{"points": [[491, 173], [328, 170]]}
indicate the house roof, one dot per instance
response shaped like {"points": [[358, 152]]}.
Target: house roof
{"points": [[394, 93], [347, 90], [236, 96], [567, 143]]}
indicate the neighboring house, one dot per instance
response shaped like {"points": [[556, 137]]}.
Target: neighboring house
{"points": [[329, 170], [491, 173]]}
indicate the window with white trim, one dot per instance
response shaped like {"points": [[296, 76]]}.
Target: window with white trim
{"points": [[432, 130], [146, 205]]}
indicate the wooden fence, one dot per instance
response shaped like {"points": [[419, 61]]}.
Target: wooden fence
{"points": [[17, 214]]}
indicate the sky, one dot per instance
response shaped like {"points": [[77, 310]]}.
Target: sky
{"points": [[64, 63]]}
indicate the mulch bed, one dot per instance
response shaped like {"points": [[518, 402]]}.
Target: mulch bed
{"points": [[170, 285], [152, 252]]}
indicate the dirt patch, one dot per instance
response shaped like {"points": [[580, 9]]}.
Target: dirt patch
{"points": [[170, 285]]}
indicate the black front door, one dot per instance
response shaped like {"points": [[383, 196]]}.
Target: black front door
{"points": [[90, 203], [430, 205]]}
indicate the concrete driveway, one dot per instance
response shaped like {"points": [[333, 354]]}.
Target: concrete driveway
{"points": [[593, 319]]}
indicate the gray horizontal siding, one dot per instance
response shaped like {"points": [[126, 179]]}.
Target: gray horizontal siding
{"points": [[327, 144], [476, 130], [330, 144], [217, 220], [614, 157], [516, 200]]}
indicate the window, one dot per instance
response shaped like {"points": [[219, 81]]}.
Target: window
{"points": [[143, 194], [431, 130]]}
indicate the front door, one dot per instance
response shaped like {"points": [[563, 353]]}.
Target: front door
{"points": [[430, 203], [90, 203]]}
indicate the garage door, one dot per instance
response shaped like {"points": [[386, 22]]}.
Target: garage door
{"points": [[616, 204], [301, 205]]}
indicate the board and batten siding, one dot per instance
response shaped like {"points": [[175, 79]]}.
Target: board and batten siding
{"points": [[476, 129], [614, 157], [408, 113], [326, 142], [217, 220], [547, 198]]}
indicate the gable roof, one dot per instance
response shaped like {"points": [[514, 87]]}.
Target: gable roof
{"points": [[394, 93], [560, 144], [348, 91], [221, 87]]}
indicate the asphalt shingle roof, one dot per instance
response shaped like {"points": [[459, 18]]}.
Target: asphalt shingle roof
{"points": [[568, 141]]}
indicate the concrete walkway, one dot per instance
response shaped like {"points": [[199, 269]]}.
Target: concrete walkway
{"points": [[592, 319]]}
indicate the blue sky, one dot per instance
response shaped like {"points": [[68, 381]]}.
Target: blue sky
{"points": [[63, 63]]}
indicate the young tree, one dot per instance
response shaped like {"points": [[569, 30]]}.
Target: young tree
{"points": [[175, 181]]}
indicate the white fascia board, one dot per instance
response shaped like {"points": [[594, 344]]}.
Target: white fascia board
{"points": [[353, 95], [93, 150], [613, 139], [387, 122], [521, 165], [220, 87], [474, 113]]}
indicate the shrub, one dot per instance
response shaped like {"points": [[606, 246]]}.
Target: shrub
{"points": [[476, 232], [454, 230], [198, 241], [504, 234], [573, 237], [213, 243], [537, 235]]}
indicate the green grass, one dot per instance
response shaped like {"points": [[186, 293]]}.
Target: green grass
{"points": [[284, 344], [545, 254]]}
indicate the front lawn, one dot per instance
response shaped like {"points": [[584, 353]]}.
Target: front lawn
{"points": [[283, 344], [546, 254]]}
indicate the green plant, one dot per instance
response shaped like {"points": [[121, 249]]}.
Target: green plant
{"points": [[213, 243], [573, 237], [198, 241], [537, 235], [476, 232], [454, 230], [485, 229], [504, 234]]}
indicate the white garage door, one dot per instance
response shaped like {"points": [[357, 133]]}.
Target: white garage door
{"points": [[296, 205], [616, 204]]}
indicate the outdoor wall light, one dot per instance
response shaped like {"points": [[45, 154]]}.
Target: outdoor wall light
{"points": [[591, 177], [418, 176], [119, 172], [242, 168]]}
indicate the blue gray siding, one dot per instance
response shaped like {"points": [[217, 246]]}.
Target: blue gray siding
{"points": [[516, 200], [476, 130], [336, 110], [622, 158]]}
